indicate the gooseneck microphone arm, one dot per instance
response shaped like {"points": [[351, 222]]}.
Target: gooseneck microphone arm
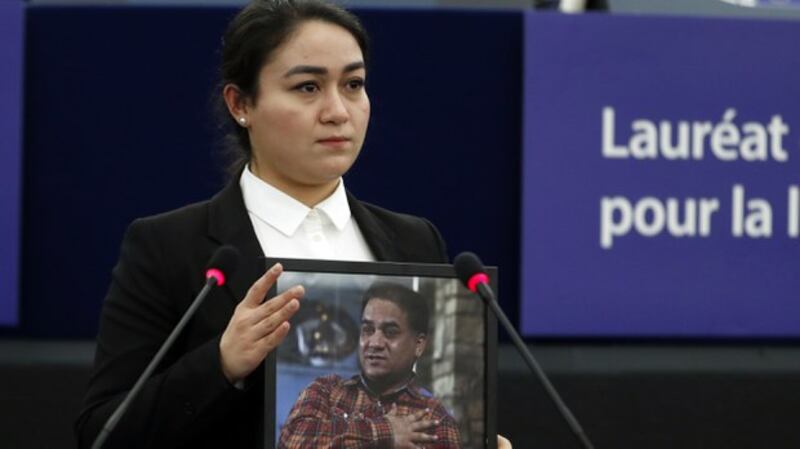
{"points": [[488, 297], [471, 272], [222, 262]]}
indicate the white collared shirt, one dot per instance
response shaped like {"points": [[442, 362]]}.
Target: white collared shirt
{"points": [[288, 228]]}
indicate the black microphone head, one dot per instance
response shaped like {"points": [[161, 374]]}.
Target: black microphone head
{"points": [[467, 265], [223, 263]]}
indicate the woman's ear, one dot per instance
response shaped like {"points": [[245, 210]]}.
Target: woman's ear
{"points": [[237, 104]]}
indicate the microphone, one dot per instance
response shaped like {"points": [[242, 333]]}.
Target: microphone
{"points": [[221, 264], [224, 260], [470, 271]]}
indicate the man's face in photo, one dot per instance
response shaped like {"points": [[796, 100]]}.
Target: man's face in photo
{"points": [[388, 347]]}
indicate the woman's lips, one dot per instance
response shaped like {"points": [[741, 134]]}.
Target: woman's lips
{"points": [[334, 141]]}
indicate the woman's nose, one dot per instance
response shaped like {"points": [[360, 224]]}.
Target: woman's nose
{"points": [[334, 111]]}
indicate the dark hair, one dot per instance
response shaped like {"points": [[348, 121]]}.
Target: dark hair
{"points": [[412, 303], [250, 41]]}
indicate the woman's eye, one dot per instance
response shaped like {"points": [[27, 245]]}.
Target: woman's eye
{"points": [[355, 84]]}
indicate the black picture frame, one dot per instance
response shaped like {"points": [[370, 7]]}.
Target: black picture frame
{"points": [[451, 302]]}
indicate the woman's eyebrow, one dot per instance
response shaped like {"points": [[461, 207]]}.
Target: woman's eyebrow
{"points": [[318, 70], [305, 69], [353, 66]]}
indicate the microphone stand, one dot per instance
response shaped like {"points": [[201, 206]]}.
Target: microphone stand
{"points": [[487, 296], [112, 421]]}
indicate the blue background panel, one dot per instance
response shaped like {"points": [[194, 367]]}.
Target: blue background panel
{"points": [[659, 69], [11, 35]]}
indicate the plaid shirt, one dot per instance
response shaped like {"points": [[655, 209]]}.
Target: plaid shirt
{"points": [[336, 413]]}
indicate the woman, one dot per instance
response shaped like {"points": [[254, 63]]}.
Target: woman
{"points": [[294, 86]]}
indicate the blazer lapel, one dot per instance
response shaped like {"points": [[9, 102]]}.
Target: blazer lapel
{"points": [[229, 224], [378, 240]]}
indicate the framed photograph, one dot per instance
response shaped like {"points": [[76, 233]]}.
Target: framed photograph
{"points": [[382, 346]]}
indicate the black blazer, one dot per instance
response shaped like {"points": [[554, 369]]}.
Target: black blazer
{"points": [[188, 402]]}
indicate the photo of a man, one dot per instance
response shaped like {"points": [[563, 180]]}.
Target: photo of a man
{"points": [[382, 406]]}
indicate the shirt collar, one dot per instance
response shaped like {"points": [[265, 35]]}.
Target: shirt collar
{"points": [[336, 206], [410, 386], [285, 213]]}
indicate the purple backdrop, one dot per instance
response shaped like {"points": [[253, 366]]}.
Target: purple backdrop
{"points": [[659, 159], [11, 15]]}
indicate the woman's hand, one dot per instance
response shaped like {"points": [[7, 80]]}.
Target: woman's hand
{"points": [[257, 328], [503, 443]]}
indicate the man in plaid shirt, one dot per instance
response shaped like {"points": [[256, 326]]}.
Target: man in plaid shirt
{"points": [[382, 407]]}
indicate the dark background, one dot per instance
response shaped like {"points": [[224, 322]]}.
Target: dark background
{"points": [[119, 124]]}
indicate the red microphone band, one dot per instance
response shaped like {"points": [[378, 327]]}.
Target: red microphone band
{"points": [[475, 279], [216, 274]]}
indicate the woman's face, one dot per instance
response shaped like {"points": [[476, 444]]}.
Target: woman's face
{"points": [[309, 120]]}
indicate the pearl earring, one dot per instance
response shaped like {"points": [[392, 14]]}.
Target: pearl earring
{"points": [[242, 120]]}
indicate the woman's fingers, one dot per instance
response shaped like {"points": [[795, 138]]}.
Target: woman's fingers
{"points": [[270, 323], [258, 291], [257, 327], [277, 304], [274, 338]]}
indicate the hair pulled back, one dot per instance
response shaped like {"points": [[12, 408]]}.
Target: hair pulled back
{"points": [[249, 43]]}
